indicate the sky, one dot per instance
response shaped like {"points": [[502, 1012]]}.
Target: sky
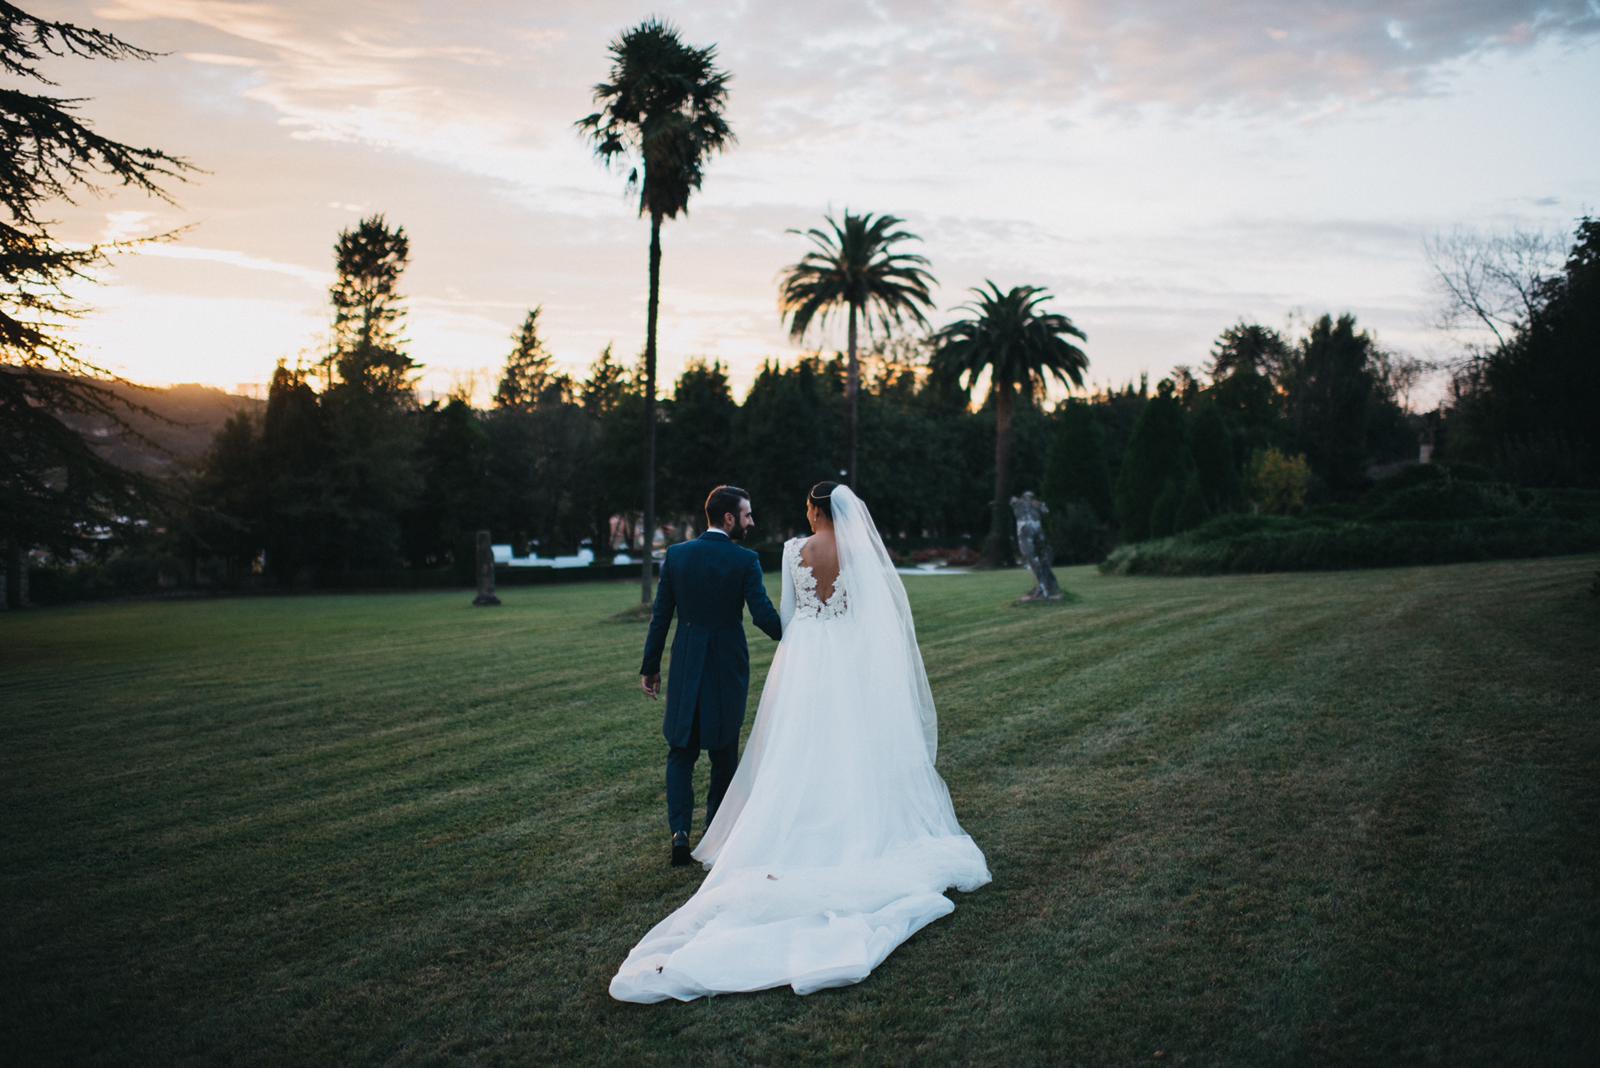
{"points": [[1164, 167]]}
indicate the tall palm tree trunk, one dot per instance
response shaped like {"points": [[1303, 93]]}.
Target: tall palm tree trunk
{"points": [[852, 389], [647, 574], [998, 549]]}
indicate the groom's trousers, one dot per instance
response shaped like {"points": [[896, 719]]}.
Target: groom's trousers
{"points": [[680, 778]]}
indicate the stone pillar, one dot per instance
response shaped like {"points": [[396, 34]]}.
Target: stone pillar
{"points": [[485, 572]]}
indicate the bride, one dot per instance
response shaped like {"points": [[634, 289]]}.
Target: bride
{"points": [[836, 839]]}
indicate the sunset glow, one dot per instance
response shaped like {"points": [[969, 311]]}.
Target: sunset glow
{"points": [[1163, 168]]}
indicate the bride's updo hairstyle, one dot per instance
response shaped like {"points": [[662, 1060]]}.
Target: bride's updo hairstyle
{"points": [[821, 498]]}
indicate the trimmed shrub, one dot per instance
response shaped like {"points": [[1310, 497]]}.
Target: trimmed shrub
{"points": [[1164, 513], [1568, 503], [1470, 472], [1078, 535], [1278, 544], [1406, 477], [1446, 499], [1192, 509]]}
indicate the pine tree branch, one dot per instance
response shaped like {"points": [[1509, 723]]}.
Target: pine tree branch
{"points": [[26, 39]]}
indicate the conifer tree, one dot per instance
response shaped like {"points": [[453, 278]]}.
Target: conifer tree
{"points": [[368, 311], [530, 369], [1075, 466], [1153, 468], [55, 487]]}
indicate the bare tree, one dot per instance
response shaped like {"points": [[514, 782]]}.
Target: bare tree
{"points": [[1491, 280], [1397, 376]]}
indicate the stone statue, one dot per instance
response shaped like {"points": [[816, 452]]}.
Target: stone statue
{"points": [[485, 572], [1035, 547]]}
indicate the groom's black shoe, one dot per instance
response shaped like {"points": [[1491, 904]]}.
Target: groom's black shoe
{"points": [[680, 850]]}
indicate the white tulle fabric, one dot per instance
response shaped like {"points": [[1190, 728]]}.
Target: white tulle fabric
{"points": [[836, 839]]}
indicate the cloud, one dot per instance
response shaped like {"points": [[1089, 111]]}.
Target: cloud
{"points": [[1134, 156], [217, 59], [1246, 57], [363, 73], [242, 260], [126, 225], [1197, 56], [133, 226], [882, 88]]}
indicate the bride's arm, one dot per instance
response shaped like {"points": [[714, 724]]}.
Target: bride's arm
{"points": [[786, 601]]}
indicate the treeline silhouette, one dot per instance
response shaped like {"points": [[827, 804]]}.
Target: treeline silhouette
{"points": [[345, 477], [359, 477]]}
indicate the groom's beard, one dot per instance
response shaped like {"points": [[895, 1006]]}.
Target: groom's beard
{"points": [[737, 533]]}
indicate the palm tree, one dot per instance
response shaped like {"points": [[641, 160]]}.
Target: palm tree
{"points": [[1022, 347], [856, 267], [660, 115]]}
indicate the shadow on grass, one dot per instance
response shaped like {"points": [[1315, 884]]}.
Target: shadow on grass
{"points": [[1067, 598], [639, 613]]}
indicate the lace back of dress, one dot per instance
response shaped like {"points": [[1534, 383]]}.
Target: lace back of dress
{"points": [[807, 603]]}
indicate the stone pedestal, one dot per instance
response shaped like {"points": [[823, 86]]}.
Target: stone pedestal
{"points": [[485, 572]]}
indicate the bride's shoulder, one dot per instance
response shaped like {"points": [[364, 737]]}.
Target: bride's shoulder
{"points": [[791, 551]]}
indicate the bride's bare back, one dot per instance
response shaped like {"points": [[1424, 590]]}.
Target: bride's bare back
{"points": [[821, 556]]}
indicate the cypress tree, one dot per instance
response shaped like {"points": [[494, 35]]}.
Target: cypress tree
{"points": [[1211, 448], [1192, 509], [1075, 463], [1164, 512], [1155, 459]]}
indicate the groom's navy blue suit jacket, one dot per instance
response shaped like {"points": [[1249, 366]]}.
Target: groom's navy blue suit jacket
{"points": [[708, 582]]}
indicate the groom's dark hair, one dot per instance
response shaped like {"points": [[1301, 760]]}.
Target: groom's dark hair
{"points": [[724, 500]]}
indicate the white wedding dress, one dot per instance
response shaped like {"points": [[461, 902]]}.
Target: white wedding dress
{"points": [[836, 839]]}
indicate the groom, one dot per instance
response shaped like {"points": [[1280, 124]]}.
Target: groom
{"points": [[708, 581]]}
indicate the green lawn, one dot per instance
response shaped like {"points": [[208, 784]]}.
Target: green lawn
{"points": [[1282, 819]]}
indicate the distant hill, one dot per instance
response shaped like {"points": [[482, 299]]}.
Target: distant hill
{"points": [[187, 418]]}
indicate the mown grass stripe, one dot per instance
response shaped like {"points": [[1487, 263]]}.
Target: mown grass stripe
{"points": [[1324, 817]]}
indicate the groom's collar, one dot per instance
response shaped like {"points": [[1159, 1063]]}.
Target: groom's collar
{"points": [[714, 530]]}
